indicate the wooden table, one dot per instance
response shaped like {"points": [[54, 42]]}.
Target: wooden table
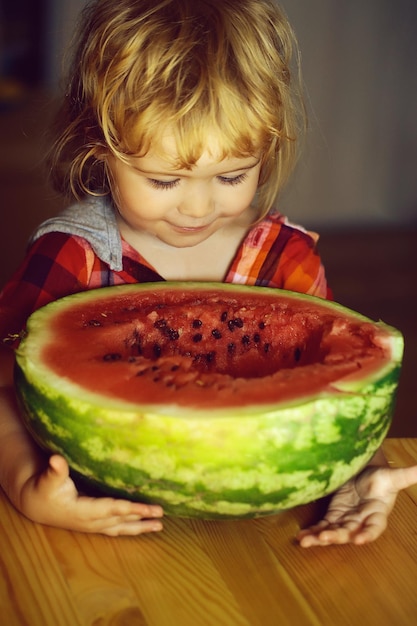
{"points": [[195, 573]]}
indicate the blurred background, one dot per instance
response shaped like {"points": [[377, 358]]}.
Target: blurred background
{"points": [[356, 183]]}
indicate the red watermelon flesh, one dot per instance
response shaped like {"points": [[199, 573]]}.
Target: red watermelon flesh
{"points": [[208, 349]]}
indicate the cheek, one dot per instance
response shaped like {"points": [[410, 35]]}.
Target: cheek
{"points": [[242, 197], [236, 205], [141, 201]]}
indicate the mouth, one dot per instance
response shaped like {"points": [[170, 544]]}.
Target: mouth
{"points": [[190, 229]]}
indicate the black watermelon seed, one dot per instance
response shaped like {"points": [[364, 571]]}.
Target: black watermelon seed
{"points": [[245, 340], [197, 323], [173, 334], [112, 356], [210, 356], [297, 354], [238, 322], [94, 323], [266, 347], [216, 333], [256, 337], [231, 348], [223, 317], [232, 325], [261, 325], [197, 337], [157, 350], [160, 323], [174, 368]]}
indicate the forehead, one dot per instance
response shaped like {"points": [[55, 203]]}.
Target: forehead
{"points": [[206, 165], [167, 150], [185, 140]]}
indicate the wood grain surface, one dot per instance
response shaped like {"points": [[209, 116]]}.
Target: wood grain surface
{"points": [[199, 573]]}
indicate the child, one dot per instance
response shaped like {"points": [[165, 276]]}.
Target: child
{"points": [[177, 114]]}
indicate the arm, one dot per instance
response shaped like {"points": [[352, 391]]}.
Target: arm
{"points": [[39, 487], [42, 489], [358, 512]]}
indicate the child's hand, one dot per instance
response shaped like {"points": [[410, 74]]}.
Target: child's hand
{"points": [[51, 498], [358, 512]]}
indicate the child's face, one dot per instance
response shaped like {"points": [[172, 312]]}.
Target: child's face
{"points": [[183, 207]]}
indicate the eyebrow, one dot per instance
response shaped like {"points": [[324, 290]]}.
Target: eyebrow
{"points": [[174, 172]]}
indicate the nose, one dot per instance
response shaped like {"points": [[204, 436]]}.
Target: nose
{"points": [[197, 202]]}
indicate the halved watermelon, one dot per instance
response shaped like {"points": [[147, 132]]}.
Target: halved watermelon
{"points": [[214, 400]]}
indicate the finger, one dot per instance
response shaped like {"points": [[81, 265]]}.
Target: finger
{"points": [[326, 538], [121, 525], [58, 467], [403, 477], [107, 507], [325, 533], [113, 517], [327, 525], [312, 530], [372, 528], [139, 509], [139, 527], [312, 536]]}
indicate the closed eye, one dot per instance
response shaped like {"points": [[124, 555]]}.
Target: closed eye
{"points": [[163, 184], [235, 180], [170, 184]]}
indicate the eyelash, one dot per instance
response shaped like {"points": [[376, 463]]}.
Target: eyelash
{"points": [[163, 184], [236, 180], [170, 184]]}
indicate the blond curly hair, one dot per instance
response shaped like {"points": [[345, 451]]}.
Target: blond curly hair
{"points": [[195, 67]]}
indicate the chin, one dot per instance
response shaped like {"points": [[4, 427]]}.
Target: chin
{"points": [[188, 240]]}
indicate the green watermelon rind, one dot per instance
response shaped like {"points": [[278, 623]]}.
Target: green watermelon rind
{"points": [[231, 463], [267, 480]]}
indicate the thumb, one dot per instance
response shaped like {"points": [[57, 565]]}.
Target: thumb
{"points": [[58, 468], [403, 477]]}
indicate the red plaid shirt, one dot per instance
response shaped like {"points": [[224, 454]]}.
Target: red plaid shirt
{"points": [[273, 254]]}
